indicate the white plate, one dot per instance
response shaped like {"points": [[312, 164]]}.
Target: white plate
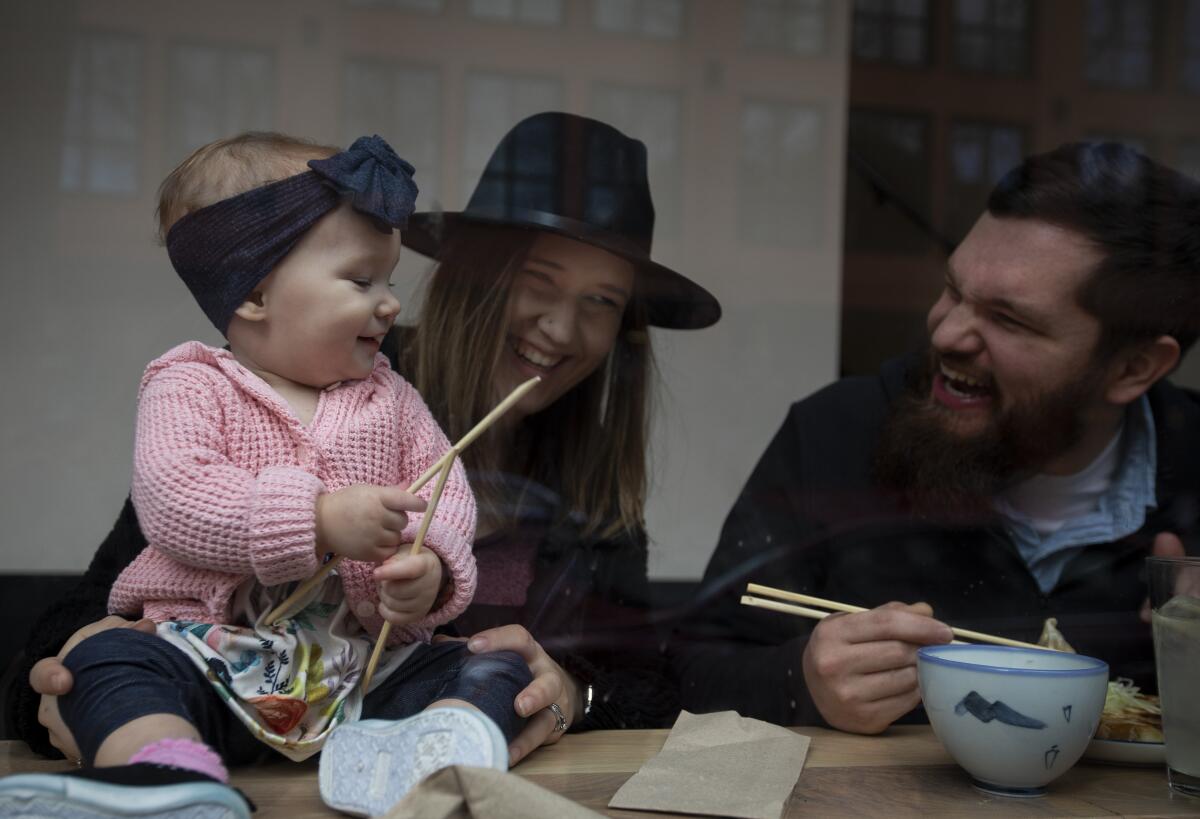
{"points": [[1124, 752]]}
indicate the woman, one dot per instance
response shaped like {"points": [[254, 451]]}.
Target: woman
{"points": [[546, 272]]}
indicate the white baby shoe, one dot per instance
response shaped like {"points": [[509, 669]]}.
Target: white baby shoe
{"points": [[370, 765]]}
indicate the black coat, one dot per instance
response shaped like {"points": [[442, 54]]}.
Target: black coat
{"points": [[811, 519]]}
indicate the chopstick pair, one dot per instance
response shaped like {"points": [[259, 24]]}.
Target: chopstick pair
{"points": [[803, 611], [441, 468]]}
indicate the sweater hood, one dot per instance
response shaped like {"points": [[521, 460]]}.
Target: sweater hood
{"points": [[195, 352]]}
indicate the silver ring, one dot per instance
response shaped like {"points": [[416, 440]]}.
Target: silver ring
{"points": [[560, 720]]}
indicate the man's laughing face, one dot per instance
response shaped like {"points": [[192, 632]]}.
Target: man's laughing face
{"points": [[1011, 380]]}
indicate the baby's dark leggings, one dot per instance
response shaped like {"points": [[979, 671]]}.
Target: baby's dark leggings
{"points": [[123, 674]]}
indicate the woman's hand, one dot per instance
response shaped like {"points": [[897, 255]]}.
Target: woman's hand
{"points": [[550, 684], [50, 678]]}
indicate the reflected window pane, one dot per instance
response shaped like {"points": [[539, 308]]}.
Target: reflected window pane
{"points": [[967, 156], [217, 92], [972, 12], [403, 104], [980, 155], [1005, 152], [797, 26], [102, 128], [1012, 14], [1190, 62], [495, 103], [494, 9], [908, 44], [656, 118], [429, 6], [781, 175], [535, 12], [1187, 157], [1119, 43], [992, 36], [887, 174], [891, 31], [655, 19]]}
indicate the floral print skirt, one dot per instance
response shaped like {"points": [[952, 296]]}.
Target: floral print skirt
{"points": [[293, 682]]}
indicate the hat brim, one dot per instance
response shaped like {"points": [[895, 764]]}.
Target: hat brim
{"points": [[673, 301]]}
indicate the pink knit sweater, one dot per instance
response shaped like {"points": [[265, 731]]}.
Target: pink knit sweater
{"points": [[226, 478]]}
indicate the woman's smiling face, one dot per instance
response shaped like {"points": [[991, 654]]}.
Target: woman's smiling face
{"points": [[564, 313]]}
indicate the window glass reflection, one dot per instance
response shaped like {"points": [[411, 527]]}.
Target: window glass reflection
{"points": [[1190, 63], [102, 131], [798, 26], [1120, 42], [535, 12], [403, 104], [781, 173], [217, 91], [654, 117], [992, 35], [655, 19], [430, 6], [980, 154], [493, 102], [887, 173], [893, 31]]}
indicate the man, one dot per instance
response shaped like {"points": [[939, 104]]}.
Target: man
{"points": [[1020, 468]]}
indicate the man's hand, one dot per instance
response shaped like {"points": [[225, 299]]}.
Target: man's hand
{"points": [[50, 678], [409, 586], [861, 669], [1166, 544], [364, 522]]}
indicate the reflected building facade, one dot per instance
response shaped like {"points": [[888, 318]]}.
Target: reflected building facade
{"points": [[946, 95]]}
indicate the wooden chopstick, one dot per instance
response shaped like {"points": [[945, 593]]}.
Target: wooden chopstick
{"points": [[454, 451], [801, 611], [430, 508], [331, 564]]}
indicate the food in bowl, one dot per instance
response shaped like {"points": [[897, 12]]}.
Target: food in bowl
{"points": [[1129, 715], [1014, 718]]}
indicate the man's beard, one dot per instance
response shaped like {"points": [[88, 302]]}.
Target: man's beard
{"points": [[944, 475]]}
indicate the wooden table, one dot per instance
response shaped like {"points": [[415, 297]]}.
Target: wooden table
{"points": [[904, 772]]}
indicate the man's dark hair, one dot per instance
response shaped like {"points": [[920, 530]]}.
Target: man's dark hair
{"points": [[1145, 219]]}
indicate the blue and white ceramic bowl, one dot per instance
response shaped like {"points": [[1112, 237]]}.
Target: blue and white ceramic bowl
{"points": [[1014, 718]]}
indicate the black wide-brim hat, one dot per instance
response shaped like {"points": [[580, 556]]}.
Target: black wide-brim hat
{"points": [[585, 180]]}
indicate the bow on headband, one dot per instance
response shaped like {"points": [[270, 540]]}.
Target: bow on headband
{"points": [[224, 250]]}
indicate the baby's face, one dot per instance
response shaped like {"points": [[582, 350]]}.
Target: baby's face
{"points": [[328, 303]]}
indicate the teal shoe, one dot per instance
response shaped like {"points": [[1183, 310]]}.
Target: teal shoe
{"points": [[126, 790]]}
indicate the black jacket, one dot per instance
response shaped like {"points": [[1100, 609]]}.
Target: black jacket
{"points": [[811, 519]]}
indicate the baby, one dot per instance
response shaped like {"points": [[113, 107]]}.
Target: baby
{"points": [[252, 465]]}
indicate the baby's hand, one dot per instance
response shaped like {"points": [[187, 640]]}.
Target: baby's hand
{"points": [[409, 587], [364, 522]]}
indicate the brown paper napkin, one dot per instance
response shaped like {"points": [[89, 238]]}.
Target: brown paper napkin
{"points": [[719, 765], [480, 793]]}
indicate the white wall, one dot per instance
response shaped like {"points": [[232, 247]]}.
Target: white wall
{"points": [[88, 298]]}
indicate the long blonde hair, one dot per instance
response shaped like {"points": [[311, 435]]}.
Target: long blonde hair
{"points": [[589, 445]]}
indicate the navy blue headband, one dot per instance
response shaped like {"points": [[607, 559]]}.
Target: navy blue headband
{"points": [[224, 250]]}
